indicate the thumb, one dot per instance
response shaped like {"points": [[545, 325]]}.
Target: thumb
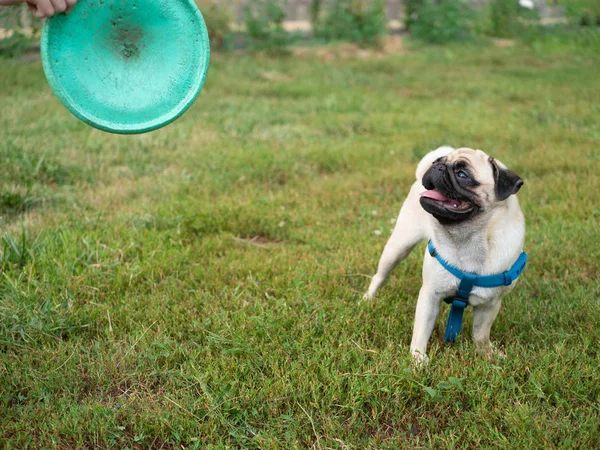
{"points": [[35, 11]]}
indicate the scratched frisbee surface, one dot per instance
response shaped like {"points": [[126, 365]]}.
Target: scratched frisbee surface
{"points": [[127, 66]]}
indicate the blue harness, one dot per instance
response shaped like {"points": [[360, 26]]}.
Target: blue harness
{"points": [[467, 282]]}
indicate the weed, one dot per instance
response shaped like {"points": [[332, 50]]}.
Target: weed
{"points": [[18, 31], [358, 21], [444, 21], [411, 12], [16, 201], [15, 46], [264, 25], [218, 18], [316, 8], [508, 19], [585, 13], [16, 252]]}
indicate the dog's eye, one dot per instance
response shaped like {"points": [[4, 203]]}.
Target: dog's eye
{"points": [[462, 174]]}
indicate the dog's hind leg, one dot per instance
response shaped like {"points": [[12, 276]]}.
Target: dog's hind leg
{"points": [[411, 228]]}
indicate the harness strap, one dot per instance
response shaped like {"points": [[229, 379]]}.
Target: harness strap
{"points": [[487, 281], [467, 282], [455, 317]]}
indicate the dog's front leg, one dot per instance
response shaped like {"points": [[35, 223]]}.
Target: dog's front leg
{"points": [[397, 248], [428, 308], [411, 228], [483, 317]]}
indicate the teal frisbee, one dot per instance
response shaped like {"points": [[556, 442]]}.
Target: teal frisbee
{"points": [[127, 66]]}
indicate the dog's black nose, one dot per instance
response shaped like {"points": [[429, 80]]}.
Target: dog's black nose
{"points": [[434, 175], [439, 172]]}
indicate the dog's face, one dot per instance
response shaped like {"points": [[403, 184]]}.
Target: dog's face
{"points": [[464, 184]]}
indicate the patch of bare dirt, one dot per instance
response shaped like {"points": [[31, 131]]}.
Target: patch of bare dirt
{"points": [[258, 241], [505, 43], [391, 45]]}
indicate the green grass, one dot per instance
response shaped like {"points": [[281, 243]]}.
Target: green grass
{"points": [[198, 287], [580, 6]]}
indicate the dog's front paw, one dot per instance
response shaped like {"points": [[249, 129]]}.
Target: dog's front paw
{"points": [[495, 353], [368, 296], [489, 350], [419, 359]]}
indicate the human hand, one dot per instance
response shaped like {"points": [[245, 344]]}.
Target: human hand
{"points": [[48, 8]]}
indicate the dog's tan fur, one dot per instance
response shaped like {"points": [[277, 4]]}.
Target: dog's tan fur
{"points": [[488, 242]]}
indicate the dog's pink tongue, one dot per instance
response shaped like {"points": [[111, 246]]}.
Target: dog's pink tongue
{"points": [[434, 195]]}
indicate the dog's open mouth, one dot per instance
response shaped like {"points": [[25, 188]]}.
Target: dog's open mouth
{"points": [[451, 204]]}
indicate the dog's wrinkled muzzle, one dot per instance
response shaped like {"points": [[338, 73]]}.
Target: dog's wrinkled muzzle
{"points": [[444, 198], [432, 177], [438, 178]]}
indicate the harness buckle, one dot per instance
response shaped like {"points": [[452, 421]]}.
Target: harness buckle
{"points": [[466, 285], [454, 324], [456, 301], [507, 279]]}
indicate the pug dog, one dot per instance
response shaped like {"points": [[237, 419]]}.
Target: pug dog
{"points": [[464, 202]]}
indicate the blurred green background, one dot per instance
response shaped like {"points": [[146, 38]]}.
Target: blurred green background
{"points": [[199, 286]]}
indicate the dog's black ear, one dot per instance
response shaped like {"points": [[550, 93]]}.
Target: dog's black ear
{"points": [[507, 182]]}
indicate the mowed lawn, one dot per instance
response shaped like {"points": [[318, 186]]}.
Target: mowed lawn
{"points": [[199, 286]]}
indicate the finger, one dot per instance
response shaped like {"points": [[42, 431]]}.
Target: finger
{"points": [[35, 11], [60, 6], [70, 4], [45, 8]]}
